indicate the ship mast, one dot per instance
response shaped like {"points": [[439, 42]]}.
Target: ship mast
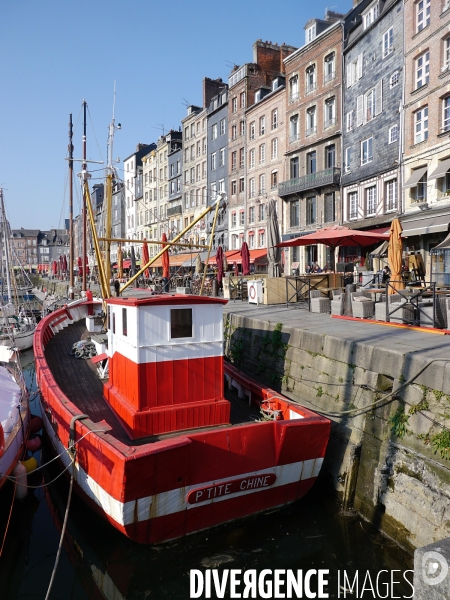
{"points": [[71, 257], [110, 176], [85, 177], [6, 249]]}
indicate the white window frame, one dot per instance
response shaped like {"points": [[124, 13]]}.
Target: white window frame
{"points": [[393, 134], [394, 79], [251, 159], [354, 70], [446, 56], [311, 120], [252, 131], [222, 126], [262, 184], [352, 205], [445, 114], [213, 161], [262, 154], [274, 120], [310, 34], [262, 125], [370, 16], [349, 120], [367, 151], [293, 88], [214, 131], [329, 67], [371, 201], [421, 125], [388, 42], [251, 187], [310, 82], [422, 69], [391, 195], [274, 148], [422, 14], [348, 159], [330, 112]]}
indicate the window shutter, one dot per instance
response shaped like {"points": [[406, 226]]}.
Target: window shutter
{"points": [[359, 110], [349, 75], [379, 97], [359, 66]]}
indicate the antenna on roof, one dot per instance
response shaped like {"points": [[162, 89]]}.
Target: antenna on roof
{"points": [[186, 103]]}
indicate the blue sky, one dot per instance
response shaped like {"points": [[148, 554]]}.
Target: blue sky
{"points": [[55, 53]]}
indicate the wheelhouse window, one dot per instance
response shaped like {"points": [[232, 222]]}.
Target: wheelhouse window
{"points": [[181, 323], [124, 322]]}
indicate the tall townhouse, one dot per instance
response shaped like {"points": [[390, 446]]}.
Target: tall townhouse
{"points": [[133, 190], [373, 59], [195, 161], [426, 176], [312, 119], [117, 217], [150, 176], [217, 173], [175, 164], [24, 247], [162, 183], [266, 140], [243, 83], [194, 166]]}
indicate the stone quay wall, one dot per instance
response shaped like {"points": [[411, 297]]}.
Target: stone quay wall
{"points": [[390, 463]]}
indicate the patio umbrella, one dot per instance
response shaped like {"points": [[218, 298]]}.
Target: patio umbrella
{"points": [[395, 256], [273, 238], [198, 264], [119, 262], [219, 262], [225, 263], [165, 258], [236, 269], [245, 254], [145, 258], [132, 262]]}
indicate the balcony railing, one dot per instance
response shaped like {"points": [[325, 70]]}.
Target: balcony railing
{"points": [[294, 137], [307, 182], [329, 76], [174, 210], [311, 131], [329, 123]]}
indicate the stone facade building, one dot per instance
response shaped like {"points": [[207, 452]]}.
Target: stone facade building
{"points": [[175, 161], [265, 161], [373, 82], [243, 83], [217, 172], [312, 117], [426, 176]]}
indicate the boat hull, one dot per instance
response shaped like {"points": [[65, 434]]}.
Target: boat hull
{"points": [[179, 484]]}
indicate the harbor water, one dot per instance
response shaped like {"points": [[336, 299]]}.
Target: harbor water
{"points": [[96, 561]]}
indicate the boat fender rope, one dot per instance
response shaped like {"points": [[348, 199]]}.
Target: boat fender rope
{"points": [[71, 444]]}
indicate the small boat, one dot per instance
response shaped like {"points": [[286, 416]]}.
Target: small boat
{"points": [[17, 321], [156, 444], [14, 416]]}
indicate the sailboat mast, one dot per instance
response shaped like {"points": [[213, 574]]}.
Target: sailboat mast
{"points": [[71, 257], [5, 234], [84, 170]]}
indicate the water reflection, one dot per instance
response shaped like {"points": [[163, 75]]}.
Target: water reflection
{"points": [[99, 562]]}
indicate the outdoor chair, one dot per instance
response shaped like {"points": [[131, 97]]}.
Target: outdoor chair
{"points": [[362, 307], [337, 303], [441, 313], [380, 307], [318, 302], [404, 314]]}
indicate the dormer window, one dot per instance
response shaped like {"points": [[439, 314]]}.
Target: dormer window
{"points": [[370, 16], [311, 33]]}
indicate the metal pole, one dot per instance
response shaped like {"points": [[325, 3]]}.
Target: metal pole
{"points": [[71, 257], [211, 238], [84, 168]]}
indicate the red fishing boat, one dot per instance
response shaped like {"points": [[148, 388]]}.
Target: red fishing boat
{"points": [[159, 447]]}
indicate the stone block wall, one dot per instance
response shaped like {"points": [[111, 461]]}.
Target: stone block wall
{"points": [[388, 462]]}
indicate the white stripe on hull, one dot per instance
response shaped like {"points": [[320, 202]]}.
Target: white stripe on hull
{"points": [[174, 501]]}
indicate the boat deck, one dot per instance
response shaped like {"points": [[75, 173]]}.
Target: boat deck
{"points": [[78, 380]]}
